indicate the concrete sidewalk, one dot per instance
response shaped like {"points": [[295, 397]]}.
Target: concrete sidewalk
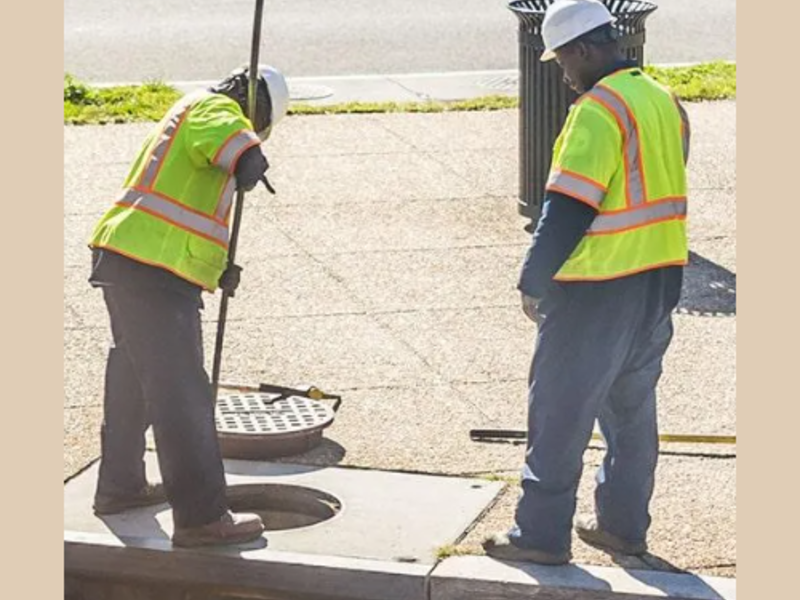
{"points": [[385, 270]]}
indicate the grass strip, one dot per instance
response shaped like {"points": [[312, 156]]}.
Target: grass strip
{"points": [[85, 105]]}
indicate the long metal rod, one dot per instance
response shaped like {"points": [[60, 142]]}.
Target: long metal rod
{"points": [[488, 435], [237, 214]]}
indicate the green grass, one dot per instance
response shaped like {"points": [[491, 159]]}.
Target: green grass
{"points": [[450, 550], [497, 102], [123, 104], [85, 105], [708, 81], [509, 479]]}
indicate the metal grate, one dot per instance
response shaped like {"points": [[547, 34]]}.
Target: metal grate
{"points": [[262, 414], [502, 83], [309, 91]]}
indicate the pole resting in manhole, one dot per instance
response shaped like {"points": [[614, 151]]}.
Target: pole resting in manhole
{"points": [[268, 421], [252, 98]]}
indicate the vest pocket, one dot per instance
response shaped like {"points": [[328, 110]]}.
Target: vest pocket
{"points": [[207, 260]]}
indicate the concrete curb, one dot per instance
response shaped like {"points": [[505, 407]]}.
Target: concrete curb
{"points": [[318, 577], [480, 577], [288, 574]]}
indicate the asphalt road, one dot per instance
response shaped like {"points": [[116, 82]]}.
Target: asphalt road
{"points": [[180, 40]]}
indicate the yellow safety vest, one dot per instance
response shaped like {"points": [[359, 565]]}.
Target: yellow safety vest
{"points": [[174, 208], [623, 150]]}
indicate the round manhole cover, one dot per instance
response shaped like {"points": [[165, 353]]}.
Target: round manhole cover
{"points": [[308, 91], [283, 507], [260, 426], [264, 414]]}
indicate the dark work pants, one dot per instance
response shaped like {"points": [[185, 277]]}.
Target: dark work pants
{"points": [[155, 375], [598, 356]]}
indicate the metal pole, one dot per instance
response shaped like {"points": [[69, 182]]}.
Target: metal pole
{"points": [[237, 214], [489, 435]]}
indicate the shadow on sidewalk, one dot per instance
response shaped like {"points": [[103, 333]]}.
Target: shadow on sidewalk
{"points": [[708, 288], [328, 453], [659, 573], [570, 576]]}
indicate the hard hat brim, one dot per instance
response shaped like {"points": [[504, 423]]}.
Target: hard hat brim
{"points": [[548, 55]]}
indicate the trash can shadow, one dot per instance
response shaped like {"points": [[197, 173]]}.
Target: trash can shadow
{"points": [[709, 289]]}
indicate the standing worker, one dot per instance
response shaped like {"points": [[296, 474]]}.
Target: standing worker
{"points": [[601, 279], [163, 242]]}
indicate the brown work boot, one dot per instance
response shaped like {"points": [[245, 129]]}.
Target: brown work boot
{"points": [[151, 494], [501, 547], [231, 528], [591, 533]]}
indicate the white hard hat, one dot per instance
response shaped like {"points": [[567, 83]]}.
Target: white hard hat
{"points": [[278, 91], [278, 94], [566, 20]]}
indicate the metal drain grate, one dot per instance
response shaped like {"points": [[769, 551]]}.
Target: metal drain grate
{"points": [[262, 414], [309, 91], [500, 83]]}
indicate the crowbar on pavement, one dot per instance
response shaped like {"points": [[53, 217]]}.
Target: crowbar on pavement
{"points": [[492, 435]]}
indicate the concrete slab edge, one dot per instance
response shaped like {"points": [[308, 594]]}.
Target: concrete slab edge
{"points": [[481, 577], [286, 574], [320, 576]]}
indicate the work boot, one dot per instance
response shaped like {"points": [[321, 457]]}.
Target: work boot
{"points": [[151, 494], [231, 528], [590, 532], [501, 547]]}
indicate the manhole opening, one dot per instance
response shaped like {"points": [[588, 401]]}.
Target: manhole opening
{"points": [[283, 507]]}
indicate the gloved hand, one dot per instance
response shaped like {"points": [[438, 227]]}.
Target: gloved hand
{"points": [[530, 306], [250, 168], [229, 280]]}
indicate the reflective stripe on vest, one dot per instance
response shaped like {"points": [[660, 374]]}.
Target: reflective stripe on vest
{"points": [[225, 200], [161, 206], [233, 147], [160, 150], [176, 214], [635, 189], [641, 221], [576, 186], [686, 130], [654, 212]]}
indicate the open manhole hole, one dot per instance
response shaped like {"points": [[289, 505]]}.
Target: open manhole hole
{"points": [[282, 506]]}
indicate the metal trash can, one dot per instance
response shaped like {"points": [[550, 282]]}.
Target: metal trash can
{"points": [[545, 99]]}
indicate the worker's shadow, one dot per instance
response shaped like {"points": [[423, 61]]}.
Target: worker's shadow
{"points": [[328, 453], [659, 573], [565, 576], [708, 288], [590, 581]]}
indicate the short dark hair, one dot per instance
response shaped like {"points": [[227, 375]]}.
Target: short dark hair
{"points": [[605, 35]]}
